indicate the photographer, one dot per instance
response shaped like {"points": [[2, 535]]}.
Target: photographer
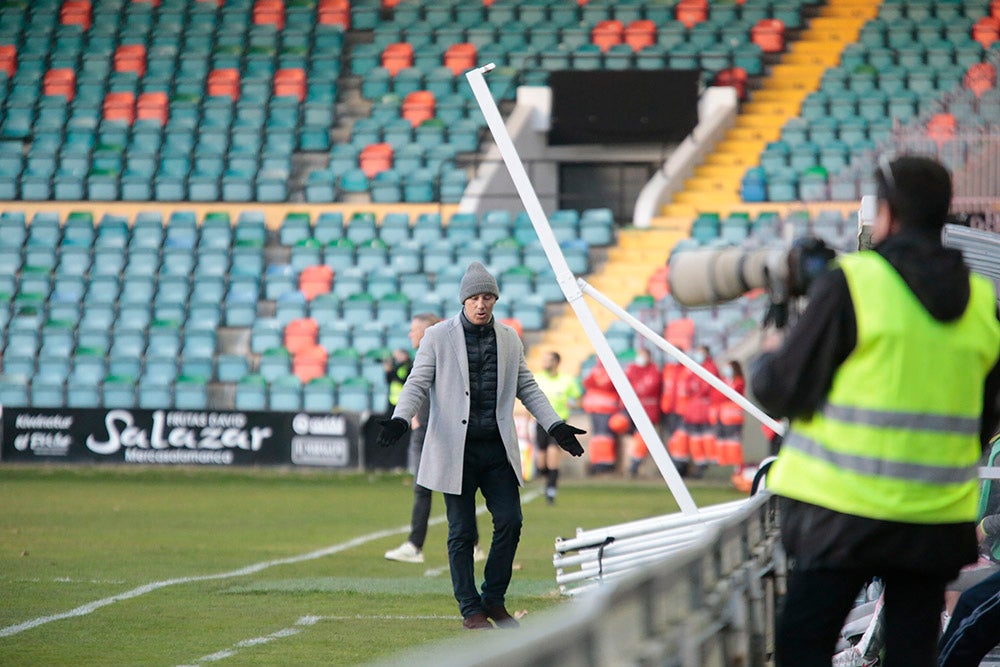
{"points": [[890, 380]]}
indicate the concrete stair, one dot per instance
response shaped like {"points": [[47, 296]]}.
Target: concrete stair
{"points": [[624, 276], [716, 184]]}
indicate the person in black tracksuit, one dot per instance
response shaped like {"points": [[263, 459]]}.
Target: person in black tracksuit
{"points": [[974, 628]]}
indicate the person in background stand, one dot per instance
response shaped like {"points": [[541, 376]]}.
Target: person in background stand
{"points": [[890, 379], [412, 550], [645, 378], [669, 419], [697, 414], [600, 401], [729, 422], [563, 392], [397, 367]]}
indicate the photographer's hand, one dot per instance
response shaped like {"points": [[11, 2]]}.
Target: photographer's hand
{"points": [[771, 339]]}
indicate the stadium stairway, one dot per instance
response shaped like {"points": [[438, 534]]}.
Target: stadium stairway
{"points": [[630, 263], [716, 184]]}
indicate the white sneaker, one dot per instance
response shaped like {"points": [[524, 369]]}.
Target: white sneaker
{"points": [[478, 555], [405, 553]]}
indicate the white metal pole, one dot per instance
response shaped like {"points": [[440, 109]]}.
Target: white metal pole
{"points": [[681, 357], [570, 288]]}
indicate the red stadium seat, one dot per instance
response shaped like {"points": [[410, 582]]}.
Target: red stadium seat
{"points": [[606, 34], [153, 105], [8, 59], [290, 82], [397, 56], [941, 127], [224, 82], [309, 363], [334, 12], [514, 324], [315, 280], [980, 77], [119, 106], [418, 106], [269, 12], [131, 58], [691, 12], [680, 333], [300, 334], [658, 285], [735, 77], [60, 81], [375, 158], [460, 58], [76, 12], [986, 30], [640, 33], [769, 35]]}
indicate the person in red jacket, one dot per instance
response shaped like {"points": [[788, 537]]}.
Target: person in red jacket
{"points": [[645, 378], [600, 401], [729, 419], [669, 419], [697, 413]]}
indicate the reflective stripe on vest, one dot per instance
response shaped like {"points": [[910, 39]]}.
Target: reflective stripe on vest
{"points": [[913, 421], [898, 437], [868, 465]]}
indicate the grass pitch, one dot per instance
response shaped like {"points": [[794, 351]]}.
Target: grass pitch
{"points": [[177, 566]]}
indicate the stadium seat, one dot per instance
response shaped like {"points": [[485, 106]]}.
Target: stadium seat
{"points": [[354, 394], [251, 393], [319, 395]]}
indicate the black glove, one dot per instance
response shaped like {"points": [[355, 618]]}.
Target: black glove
{"points": [[392, 430], [565, 435]]}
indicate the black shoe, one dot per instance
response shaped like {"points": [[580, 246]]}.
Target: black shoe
{"points": [[502, 617], [477, 622]]}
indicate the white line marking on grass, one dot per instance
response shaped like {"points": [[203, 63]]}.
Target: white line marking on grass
{"points": [[257, 641], [91, 607], [306, 621]]}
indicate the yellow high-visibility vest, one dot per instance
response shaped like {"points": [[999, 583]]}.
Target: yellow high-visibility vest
{"points": [[898, 436]]}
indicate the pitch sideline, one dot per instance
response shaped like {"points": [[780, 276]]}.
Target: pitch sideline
{"points": [[91, 607], [295, 629]]}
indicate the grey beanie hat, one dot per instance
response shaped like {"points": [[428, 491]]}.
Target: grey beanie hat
{"points": [[477, 280]]}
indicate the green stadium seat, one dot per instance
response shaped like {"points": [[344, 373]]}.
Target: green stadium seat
{"points": [[319, 395]]}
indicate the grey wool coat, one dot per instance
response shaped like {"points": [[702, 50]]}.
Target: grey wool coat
{"points": [[440, 375]]}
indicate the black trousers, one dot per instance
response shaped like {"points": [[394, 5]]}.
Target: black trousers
{"points": [[974, 629], [420, 516], [818, 601], [485, 469]]}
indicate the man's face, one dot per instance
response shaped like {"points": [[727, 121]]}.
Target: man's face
{"points": [[883, 226], [417, 329], [549, 363], [479, 308]]}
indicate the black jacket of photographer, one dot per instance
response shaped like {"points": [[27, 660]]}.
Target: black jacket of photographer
{"points": [[794, 381]]}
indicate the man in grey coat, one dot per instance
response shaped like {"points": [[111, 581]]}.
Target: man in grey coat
{"points": [[471, 368]]}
